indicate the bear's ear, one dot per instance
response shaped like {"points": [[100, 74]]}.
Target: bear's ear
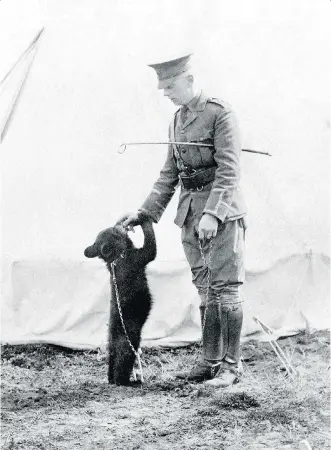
{"points": [[105, 250], [91, 251]]}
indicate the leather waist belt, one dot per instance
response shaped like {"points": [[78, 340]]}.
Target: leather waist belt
{"points": [[198, 179]]}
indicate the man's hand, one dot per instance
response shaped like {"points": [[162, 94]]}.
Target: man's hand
{"points": [[129, 220], [208, 226]]}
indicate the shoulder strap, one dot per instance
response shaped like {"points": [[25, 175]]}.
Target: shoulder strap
{"points": [[217, 102]]}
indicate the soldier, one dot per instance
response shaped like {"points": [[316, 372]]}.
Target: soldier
{"points": [[210, 213]]}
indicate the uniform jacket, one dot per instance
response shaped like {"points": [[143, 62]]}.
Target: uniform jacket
{"points": [[209, 121]]}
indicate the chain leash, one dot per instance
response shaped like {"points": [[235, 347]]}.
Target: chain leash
{"points": [[136, 352], [206, 264]]}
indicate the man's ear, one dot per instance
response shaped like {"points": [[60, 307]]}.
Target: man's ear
{"points": [[190, 79]]}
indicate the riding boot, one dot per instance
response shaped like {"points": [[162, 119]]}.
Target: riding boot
{"points": [[214, 333], [235, 321], [229, 371], [214, 344], [202, 370]]}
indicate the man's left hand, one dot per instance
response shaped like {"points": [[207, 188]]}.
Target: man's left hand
{"points": [[208, 226]]}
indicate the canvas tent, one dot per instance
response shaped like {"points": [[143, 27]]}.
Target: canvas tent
{"points": [[89, 89]]}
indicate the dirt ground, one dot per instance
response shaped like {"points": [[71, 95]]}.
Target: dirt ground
{"points": [[55, 398]]}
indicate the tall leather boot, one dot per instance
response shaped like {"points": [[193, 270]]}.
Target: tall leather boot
{"points": [[230, 371], [235, 321], [214, 344], [214, 333]]}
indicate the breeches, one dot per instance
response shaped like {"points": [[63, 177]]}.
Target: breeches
{"points": [[226, 253]]}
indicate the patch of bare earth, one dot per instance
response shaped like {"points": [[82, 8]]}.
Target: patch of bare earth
{"points": [[54, 398]]}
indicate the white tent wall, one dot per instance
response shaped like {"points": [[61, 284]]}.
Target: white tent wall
{"points": [[89, 89]]}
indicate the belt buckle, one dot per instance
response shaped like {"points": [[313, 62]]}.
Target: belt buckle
{"points": [[198, 189]]}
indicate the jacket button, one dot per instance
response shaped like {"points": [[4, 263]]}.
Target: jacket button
{"points": [[182, 131]]}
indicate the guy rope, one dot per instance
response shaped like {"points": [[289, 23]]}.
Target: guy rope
{"points": [[291, 371]]}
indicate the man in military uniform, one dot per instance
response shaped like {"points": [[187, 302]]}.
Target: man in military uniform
{"points": [[210, 213]]}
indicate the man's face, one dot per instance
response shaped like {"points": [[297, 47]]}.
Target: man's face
{"points": [[179, 91]]}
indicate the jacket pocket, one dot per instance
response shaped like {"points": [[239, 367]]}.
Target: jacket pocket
{"points": [[182, 208]]}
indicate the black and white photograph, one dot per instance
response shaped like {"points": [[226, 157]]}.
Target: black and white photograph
{"points": [[165, 224]]}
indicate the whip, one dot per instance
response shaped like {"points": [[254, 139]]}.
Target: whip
{"points": [[123, 146]]}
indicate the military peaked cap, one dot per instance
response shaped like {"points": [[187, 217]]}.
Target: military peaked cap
{"points": [[168, 71]]}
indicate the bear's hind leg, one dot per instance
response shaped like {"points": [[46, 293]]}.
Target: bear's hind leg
{"points": [[124, 361], [110, 372]]}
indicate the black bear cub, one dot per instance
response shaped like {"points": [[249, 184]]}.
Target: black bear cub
{"points": [[113, 245]]}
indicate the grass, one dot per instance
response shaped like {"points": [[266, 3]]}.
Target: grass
{"points": [[55, 398]]}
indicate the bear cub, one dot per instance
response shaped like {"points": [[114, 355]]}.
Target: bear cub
{"points": [[114, 246]]}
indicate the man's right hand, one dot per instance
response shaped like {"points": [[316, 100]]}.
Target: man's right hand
{"points": [[129, 220]]}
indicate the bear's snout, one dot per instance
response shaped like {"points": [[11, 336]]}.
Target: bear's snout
{"points": [[91, 251]]}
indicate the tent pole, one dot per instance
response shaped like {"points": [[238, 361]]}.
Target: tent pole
{"points": [[26, 51], [30, 49]]}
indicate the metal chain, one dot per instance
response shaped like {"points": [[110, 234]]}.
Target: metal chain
{"points": [[207, 265], [136, 352]]}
